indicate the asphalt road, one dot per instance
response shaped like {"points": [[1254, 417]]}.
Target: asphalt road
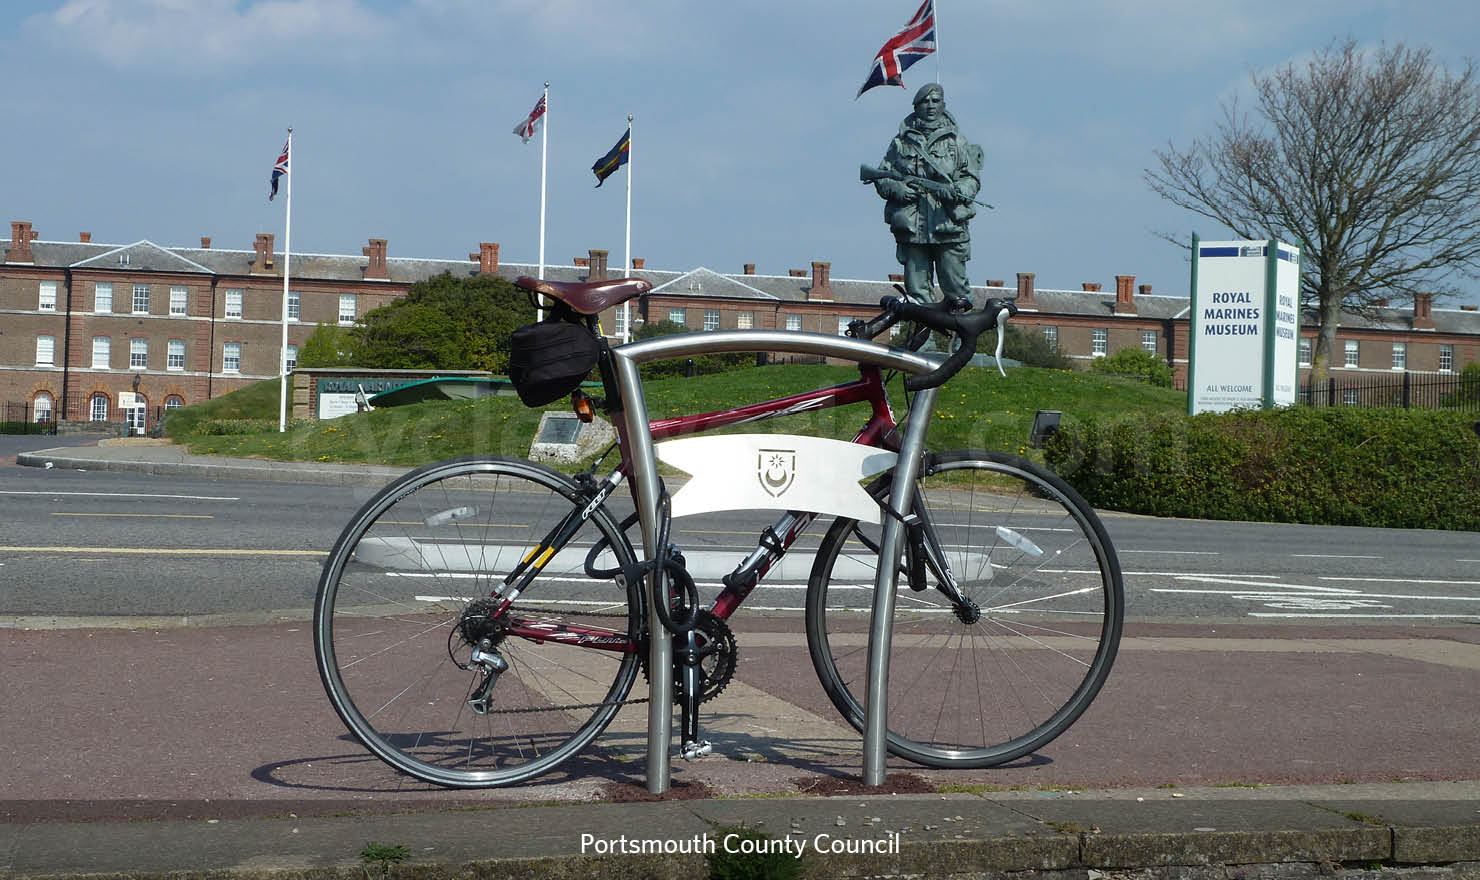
{"points": [[117, 544]]}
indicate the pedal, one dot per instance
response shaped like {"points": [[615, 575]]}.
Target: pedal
{"points": [[692, 750]]}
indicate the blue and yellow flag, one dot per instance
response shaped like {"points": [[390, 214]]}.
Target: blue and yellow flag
{"points": [[615, 158]]}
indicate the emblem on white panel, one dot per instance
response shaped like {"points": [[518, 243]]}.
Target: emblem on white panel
{"points": [[777, 469], [774, 472]]}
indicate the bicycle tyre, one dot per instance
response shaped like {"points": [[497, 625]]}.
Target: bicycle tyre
{"points": [[391, 654], [1037, 561]]}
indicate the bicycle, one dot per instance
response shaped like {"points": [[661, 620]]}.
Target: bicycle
{"points": [[482, 619]]}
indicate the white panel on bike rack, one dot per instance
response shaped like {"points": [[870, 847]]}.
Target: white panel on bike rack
{"points": [[775, 472]]}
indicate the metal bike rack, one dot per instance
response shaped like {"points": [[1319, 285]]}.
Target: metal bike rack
{"points": [[645, 486]]}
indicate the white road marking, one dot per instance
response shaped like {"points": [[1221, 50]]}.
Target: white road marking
{"points": [[1331, 556], [1177, 552], [123, 495]]}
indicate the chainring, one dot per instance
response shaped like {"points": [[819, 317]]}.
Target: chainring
{"points": [[716, 668]]}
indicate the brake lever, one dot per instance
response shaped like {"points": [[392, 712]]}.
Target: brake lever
{"points": [[1001, 337]]}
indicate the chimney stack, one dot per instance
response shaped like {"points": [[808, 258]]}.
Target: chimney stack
{"points": [[1025, 290], [989, 283], [821, 281], [487, 257], [749, 268], [797, 273], [205, 242], [598, 265], [1145, 289], [1125, 303], [84, 237], [1091, 286], [21, 237], [639, 262], [896, 277], [376, 252], [582, 261], [263, 247], [1423, 307]]}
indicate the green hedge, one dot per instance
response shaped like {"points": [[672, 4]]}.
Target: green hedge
{"points": [[1340, 466]]}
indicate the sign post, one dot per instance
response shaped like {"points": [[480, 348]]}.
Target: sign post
{"points": [[1245, 325]]}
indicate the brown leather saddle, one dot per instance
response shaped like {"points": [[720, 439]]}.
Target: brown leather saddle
{"points": [[588, 297]]}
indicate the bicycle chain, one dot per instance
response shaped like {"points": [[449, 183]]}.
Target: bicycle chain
{"points": [[600, 705]]}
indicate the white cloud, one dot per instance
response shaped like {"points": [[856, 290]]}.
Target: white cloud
{"points": [[210, 34]]}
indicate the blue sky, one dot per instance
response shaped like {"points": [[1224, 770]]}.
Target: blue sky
{"points": [[161, 119]]}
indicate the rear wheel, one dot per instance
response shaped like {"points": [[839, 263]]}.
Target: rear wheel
{"points": [[418, 661], [999, 674]]}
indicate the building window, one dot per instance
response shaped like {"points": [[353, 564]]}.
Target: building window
{"points": [[179, 296], [175, 354], [102, 352], [793, 322], [711, 319], [292, 358], [677, 316], [619, 321], [1304, 354], [1352, 354], [1446, 358], [295, 305], [41, 410], [1100, 345], [174, 401], [1349, 396], [233, 303], [231, 357], [46, 351], [1148, 340], [141, 299], [843, 321], [346, 308], [47, 301], [98, 408], [745, 320], [1400, 355], [138, 354], [1052, 335], [102, 297]]}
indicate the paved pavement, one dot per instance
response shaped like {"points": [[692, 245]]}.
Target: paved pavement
{"points": [[153, 748]]}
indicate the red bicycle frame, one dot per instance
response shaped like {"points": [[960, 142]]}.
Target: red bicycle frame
{"points": [[775, 541]]}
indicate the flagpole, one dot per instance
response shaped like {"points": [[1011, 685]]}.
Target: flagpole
{"points": [[627, 260], [935, 11], [287, 260], [539, 313]]}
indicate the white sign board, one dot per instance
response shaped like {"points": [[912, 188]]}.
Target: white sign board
{"points": [[1245, 325], [775, 472]]}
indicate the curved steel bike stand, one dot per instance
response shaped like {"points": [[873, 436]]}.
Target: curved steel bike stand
{"points": [[645, 488]]}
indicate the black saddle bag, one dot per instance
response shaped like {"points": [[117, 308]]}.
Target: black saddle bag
{"points": [[549, 360]]}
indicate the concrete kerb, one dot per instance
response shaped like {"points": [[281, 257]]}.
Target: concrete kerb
{"points": [[169, 461], [864, 836]]}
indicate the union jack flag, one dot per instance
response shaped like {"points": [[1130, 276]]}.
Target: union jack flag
{"points": [[279, 169], [526, 129], [903, 49]]}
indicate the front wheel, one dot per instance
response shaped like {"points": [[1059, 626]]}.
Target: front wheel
{"points": [[1007, 663], [425, 659]]}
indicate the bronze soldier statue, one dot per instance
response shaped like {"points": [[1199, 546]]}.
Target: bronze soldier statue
{"points": [[929, 180]]}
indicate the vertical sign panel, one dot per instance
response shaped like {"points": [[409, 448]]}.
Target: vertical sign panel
{"points": [[1284, 342], [1228, 325]]}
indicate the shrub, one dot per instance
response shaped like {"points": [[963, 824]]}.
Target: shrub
{"points": [[1135, 362], [703, 365], [1337, 466]]}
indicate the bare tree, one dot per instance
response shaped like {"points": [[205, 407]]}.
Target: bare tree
{"points": [[1369, 161]]}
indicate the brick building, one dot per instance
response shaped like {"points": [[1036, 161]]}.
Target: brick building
{"points": [[87, 329]]}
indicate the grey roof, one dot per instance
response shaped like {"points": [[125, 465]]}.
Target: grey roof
{"points": [[707, 282], [141, 256]]}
